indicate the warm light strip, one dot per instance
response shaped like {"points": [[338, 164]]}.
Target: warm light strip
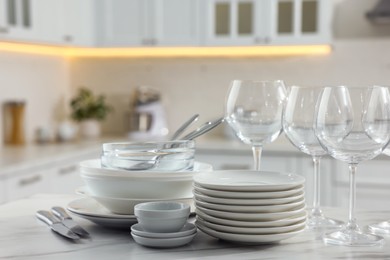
{"points": [[168, 52]]}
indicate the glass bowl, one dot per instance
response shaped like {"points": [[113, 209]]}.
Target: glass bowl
{"points": [[149, 156]]}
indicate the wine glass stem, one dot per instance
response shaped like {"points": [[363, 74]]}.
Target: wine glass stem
{"points": [[316, 211], [352, 197], [257, 149]]}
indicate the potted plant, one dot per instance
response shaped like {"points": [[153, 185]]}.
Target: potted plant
{"points": [[89, 109]]}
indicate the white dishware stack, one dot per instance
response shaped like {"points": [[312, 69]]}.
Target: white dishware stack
{"points": [[250, 206], [111, 192], [163, 224]]}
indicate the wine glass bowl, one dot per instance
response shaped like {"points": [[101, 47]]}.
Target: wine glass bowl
{"points": [[353, 125], [298, 120], [254, 111]]}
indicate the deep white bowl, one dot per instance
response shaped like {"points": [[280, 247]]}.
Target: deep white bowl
{"points": [[113, 183], [162, 217]]}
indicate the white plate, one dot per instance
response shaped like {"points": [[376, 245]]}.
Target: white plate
{"points": [[249, 194], [91, 207], [249, 202], [187, 230], [251, 216], [245, 238], [252, 230], [245, 180], [110, 222], [254, 224], [163, 242], [251, 209]]}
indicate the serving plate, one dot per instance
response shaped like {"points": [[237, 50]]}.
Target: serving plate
{"points": [[251, 216], [248, 238], [254, 224], [252, 230], [245, 180], [251, 209], [249, 194], [249, 202]]}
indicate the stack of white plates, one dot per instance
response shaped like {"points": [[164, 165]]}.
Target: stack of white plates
{"points": [[250, 206]]}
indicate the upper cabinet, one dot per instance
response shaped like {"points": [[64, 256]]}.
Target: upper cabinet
{"points": [[149, 22], [125, 23], [253, 22]]}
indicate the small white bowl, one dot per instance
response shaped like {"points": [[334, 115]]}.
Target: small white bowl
{"points": [[163, 216]]}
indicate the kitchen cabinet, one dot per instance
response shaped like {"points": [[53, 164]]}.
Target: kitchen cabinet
{"points": [[58, 176], [372, 184], [16, 19], [251, 22], [149, 22]]}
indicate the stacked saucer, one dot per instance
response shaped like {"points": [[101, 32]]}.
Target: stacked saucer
{"points": [[250, 206]]}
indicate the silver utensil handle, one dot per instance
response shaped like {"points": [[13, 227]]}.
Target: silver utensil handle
{"points": [[184, 126], [60, 212], [204, 129], [46, 217]]}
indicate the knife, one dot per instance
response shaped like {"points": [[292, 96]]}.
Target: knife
{"points": [[55, 224], [68, 221]]}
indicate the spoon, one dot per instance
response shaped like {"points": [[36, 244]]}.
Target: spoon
{"points": [[186, 124], [190, 136]]}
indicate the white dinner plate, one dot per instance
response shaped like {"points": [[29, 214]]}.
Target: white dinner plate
{"points": [[254, 224], [163, 242], [124, 223], [246, 180], [252, 230], [187, 230], [245, 238], [92, 207], [249, 202], [249, 194], [251, 216], [251, 209]]}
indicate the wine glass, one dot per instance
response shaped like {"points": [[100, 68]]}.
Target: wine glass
{"points": [[254, 111], [298, 120], [353, 125]]}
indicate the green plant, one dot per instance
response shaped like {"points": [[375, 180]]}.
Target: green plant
{"points": [[88, 106]]}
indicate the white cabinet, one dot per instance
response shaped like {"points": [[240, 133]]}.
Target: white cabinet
{"points": [[372, 184], [251, 22], [148, 22]]}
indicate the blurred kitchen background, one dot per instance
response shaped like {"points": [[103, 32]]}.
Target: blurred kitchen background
{"points": [[48, 51], [360, 55]]}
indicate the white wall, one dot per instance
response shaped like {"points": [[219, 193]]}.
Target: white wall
{"points": [[199, 85], [42, 81]]}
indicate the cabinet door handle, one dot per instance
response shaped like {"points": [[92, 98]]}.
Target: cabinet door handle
{"points": [[3, 30], [67, 170], [267, 40], [31, 180]]}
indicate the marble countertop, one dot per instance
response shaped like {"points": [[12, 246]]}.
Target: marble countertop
{"points": [[22, 236]]}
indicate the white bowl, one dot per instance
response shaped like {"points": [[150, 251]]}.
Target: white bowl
{"points": [[162, 217], [139, 185], [94, 168]]}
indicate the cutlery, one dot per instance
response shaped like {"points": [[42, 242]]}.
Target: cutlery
{"points": [[68, 221], [55, 224], [184, 126], [203, 129]]}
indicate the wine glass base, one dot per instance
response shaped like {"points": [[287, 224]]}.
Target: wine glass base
{"points": [[382, 228], [348, 237], [321, 222]]}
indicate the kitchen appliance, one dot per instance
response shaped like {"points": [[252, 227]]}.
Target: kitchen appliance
{"points": [[13, 116], [146, 119]]}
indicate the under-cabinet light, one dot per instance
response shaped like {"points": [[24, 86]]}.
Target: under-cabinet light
{"points": [[168, 52]]}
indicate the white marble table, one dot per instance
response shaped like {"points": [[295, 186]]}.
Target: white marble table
{"points": [[24, 237]]}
